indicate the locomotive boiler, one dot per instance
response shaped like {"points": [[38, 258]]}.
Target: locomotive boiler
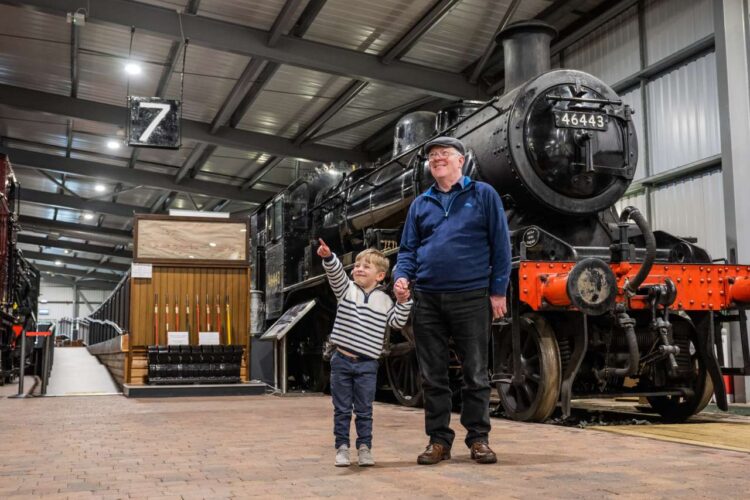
{"points": [[601, 305]]}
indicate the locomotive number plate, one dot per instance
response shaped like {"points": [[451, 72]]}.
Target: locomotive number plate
{"points": [[593, 121]]}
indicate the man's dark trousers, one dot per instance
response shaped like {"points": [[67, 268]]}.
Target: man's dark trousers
{"points": [[353, 385], [466, 317]]}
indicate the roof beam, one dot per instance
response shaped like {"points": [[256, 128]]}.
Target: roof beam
{"points": [[18, 97], [71, 245], [75, 42], [198, 157], [82, 204], [58, 183], [78, 231], [282, 21], [492, 45], [270, 164], [237, 94], [78, 273], [85, 168], [49, 257], [339, 103], [81, 284], [161, 202], [300, 28], [255, 89], [433, 16], [370, 119], [230, 37]]}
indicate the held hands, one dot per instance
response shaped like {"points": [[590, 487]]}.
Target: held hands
{"points": [[499, 306], [323, 250], [401, 290]]}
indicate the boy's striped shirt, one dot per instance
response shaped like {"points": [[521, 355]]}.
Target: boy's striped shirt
{"points": [[361, 318]]}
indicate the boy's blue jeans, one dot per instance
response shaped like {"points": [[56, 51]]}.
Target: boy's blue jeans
{"points": [[353, 384]]}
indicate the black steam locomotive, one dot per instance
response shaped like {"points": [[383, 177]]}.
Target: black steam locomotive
{"points": [[601, 305], [19, 283]]}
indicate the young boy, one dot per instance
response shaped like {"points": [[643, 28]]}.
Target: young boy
{"points": [[363, 312]]}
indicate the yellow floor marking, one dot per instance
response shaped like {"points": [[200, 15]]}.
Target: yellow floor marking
{"points": [[733, 436]]}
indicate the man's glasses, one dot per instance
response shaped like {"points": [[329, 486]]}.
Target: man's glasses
{"points": [[441, 154]]}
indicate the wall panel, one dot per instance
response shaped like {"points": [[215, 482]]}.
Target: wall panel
{"points": [[672, 25], [693, 207], [610, 52], [684, 115]]}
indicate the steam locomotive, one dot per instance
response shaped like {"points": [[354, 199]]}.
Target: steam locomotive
{"points": [[600, 305], [19, 283]]}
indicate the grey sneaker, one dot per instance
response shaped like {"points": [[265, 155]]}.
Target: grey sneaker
{"points": [[342, 456], [364, 456]]}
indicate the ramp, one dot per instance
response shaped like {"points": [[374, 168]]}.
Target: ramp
{"points": [[76, 372]]}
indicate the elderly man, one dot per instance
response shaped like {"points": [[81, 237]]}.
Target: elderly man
{"points": [[455, 249]]}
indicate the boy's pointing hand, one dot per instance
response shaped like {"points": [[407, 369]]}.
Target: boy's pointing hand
{"points": [[323, 250]]}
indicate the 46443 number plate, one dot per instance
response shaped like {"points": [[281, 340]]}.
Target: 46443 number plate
{"points": [[570, 119]]}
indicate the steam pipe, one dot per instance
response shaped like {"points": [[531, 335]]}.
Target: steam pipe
{"points": [[634, 355], [635, 215]]}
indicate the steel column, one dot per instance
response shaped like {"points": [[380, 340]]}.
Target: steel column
{"points": [[731, 30]]}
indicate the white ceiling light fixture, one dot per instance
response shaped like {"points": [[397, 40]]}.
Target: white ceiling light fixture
{"points": [[58, 263], [100, 188], [212, 244], [113, 144], [133, 68], [88, 216]]}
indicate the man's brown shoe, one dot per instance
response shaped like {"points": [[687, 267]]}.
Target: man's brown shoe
{"points": [[482, 453], [433, 454]]}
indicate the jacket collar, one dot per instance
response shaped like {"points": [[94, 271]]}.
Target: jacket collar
{"points": [[465, 182]]}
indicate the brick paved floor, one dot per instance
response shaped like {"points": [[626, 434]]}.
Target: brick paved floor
{"points": [[271, 447]]}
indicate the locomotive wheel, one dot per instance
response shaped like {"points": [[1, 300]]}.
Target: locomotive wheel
{"points": [[402, 368], [535, 398], [680, 408]]}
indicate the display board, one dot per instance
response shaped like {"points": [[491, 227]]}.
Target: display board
{"points": [[287, 321], [191, 241]]}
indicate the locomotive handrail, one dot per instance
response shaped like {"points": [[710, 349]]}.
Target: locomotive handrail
{"points": [[583, 99], [363, 179]]}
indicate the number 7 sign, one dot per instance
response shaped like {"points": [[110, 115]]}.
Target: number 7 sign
{"points": [[153, 122]]}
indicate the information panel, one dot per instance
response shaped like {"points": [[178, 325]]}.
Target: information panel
{"points": [[287, 321]]}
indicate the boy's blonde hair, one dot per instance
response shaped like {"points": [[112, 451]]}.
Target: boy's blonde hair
{"points": [[374, 257]]}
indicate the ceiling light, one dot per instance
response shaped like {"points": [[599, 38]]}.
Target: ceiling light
{"points": [[191, 256], [88, 216], [100, 188], [132, 68], [243, 230], [113, 144], [212, 244], [67, 251], [58, 263], [43, 301]]}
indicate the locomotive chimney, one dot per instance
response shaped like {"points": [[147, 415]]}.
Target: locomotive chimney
{"points": [[526, 50]]}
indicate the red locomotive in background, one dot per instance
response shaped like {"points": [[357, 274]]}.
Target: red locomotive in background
{"points": [[19, 281]]}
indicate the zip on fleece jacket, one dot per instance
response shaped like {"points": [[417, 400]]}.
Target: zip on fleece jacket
{"points": [[361, 317], [464, 246]]}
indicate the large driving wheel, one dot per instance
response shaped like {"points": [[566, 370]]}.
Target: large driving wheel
{"points": [[680, 408], [534, 398], [403, 374]]}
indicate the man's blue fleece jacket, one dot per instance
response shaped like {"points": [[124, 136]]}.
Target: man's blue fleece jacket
{"points": [[464, 246]]}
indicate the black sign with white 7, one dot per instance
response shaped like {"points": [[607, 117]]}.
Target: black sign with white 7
{"points": [[153, 122]]}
